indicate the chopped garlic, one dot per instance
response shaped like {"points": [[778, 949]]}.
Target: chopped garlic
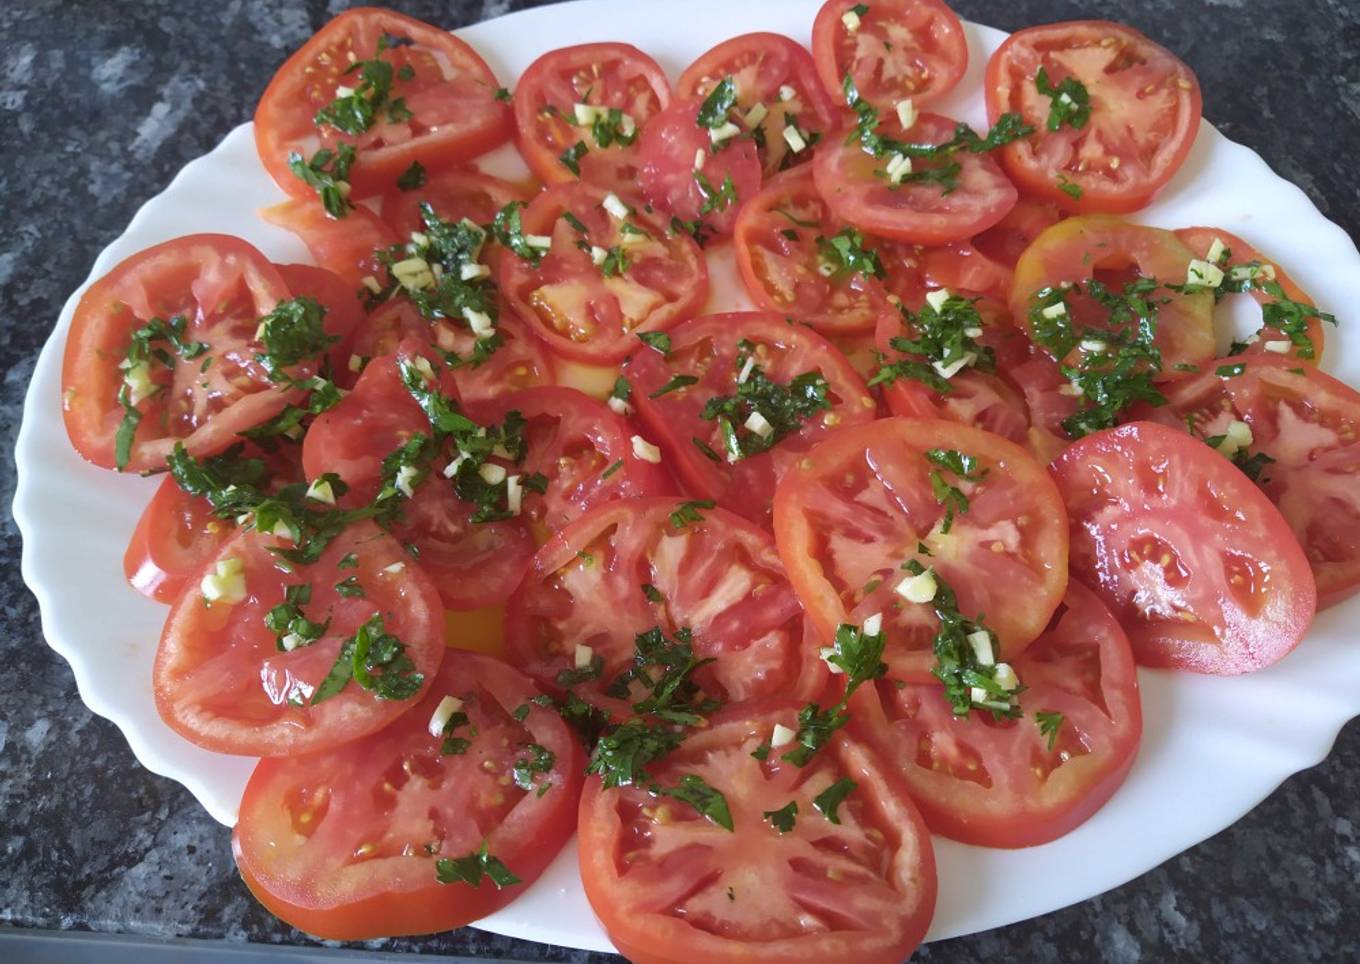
{"points": [[918, 589], [1204, 273], [851, 20], [584, 114], [746, 369], [700, 155], [321, 491], [781, 736], [514, 495], [937, 298], [541, 241], [755, 115], [405, 476], [491, 473], [724, 133], [226, 584], [981, 641], [1005, 677], [906, 113], [1055, 310], [645, 450], [395, 568], [479, 321], [1278, 347], [1217, 252], [448, 706], [619, 407], [872, 625], [759, 424], [956, 366], [1236, 438], [786, 93], [471, 272], [615, 207], [583, 656], [794, 138]]}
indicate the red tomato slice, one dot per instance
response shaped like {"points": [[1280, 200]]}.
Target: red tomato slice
{"points": [[898, 50], [344, 312], [1049, 404], [775, 72], [1006, 784], [1201, 240], [519, 362], [672, 888], [343, 247], [447, 88], [776, 245], [604, 76], [1005, 241], [1308, 423], [222, 683], [473, 564], [584, 449], [1201, 570], [856, 187], [710, 349], [861, 504], [579, 311], [719, 577], [343, 843], [670, 182], [1115, 251], [1144, 114], [222, 287]]}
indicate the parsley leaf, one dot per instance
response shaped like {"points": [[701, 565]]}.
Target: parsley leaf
{"points": [[784, 818], [508, 228], [828, 802], [472, 868], [676, 383], [657, 341], [688, 512], [844, 254], [695, 791], [377, 661], [571, 157], [412, 178], [355, 111], [946, 338], [1049, 724], [1070, 101], [951, 497], [714, 110], [328, 173], [527, 769]]}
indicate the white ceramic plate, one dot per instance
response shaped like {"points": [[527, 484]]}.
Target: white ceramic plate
{"points": [[1213, 748]]}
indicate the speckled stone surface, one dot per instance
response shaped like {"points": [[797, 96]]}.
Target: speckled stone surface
{"points": [[101, 103]]}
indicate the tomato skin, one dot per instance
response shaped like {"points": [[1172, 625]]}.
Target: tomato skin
{"points": [[242, 706], [222, 285], [1199, 241], [451, 122], [343, 247], [326, 894], [1094, 747], [570, 305], [457, 193], [1124, 72], [928, 28], [1147, 504], [707, 348], [344, 313], [667, 176], [175, 534], [887, 903], [1005, 241], [1081, 248], [861, 502], [615, 75], [760, 65], [853, 184]]}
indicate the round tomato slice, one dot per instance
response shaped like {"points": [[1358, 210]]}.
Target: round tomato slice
{"points": [[1005, 241], [217, 288], [1200, 569], [1048, 399], [1297, 329], [583, 450], [796, 389], [632, 565], [565, 112], [474, 564], [1115, 252], [1306, 423], [223, 681], [1021, 782], [344, 311], [711, 195], [851, 882], [344, 247], [776, 73], [779, 236], [402, 91], [1144, 113], [858, 189], [863, 503], [894, 49], [647, 279], [455, 194], [347, 844]]}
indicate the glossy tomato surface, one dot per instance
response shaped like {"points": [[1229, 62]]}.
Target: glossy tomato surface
{"points": [[454, 194], [344, 311], [671, 887], [1199, 568], [1144, 114], [449, 94], [344, 247], [344, 844]]}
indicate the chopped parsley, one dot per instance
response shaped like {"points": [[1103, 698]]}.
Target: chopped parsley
{"points": [[828, 802], [350, 588], [761, 412], [657, 341], [688, 512], [508, 228], [784, 818], [412, 178], [328, 174], [1070, 101], [844, 254], [859, 655], [957, 665], [358, 109], [527, 770], [146, 347], [715, 199], [571, 157], [716, 106], [957, 463], [675, 383], [290, 334], [695, 791], [1071, 188], [472, 868], [375, 660], [1049, 724], [945, 340], [609, 128]]}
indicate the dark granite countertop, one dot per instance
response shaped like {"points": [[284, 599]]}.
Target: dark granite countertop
{"points": [[101, 103]]}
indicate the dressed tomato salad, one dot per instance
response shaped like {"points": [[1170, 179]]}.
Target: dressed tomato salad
{"points": [[761, 599]]}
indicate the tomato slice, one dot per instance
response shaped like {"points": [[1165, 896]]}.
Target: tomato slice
{"points": [[1005, 241], [584, 449], [447, 89], [713, 351], [777, 73], [460, 192], [474, 564], [344, 247], [898, 49], [1047, 400], [776, 241], [1010, 783], [1145, 109], [222, 287], [343, 843], [1307, 422], [344, 312], [717, 576], [1201, 570], [1310, 341], [572, 305], [671, 888], [222, 682], [669, 180], [861, 504], [1115, 251], [601, 78], [857, 188]]}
